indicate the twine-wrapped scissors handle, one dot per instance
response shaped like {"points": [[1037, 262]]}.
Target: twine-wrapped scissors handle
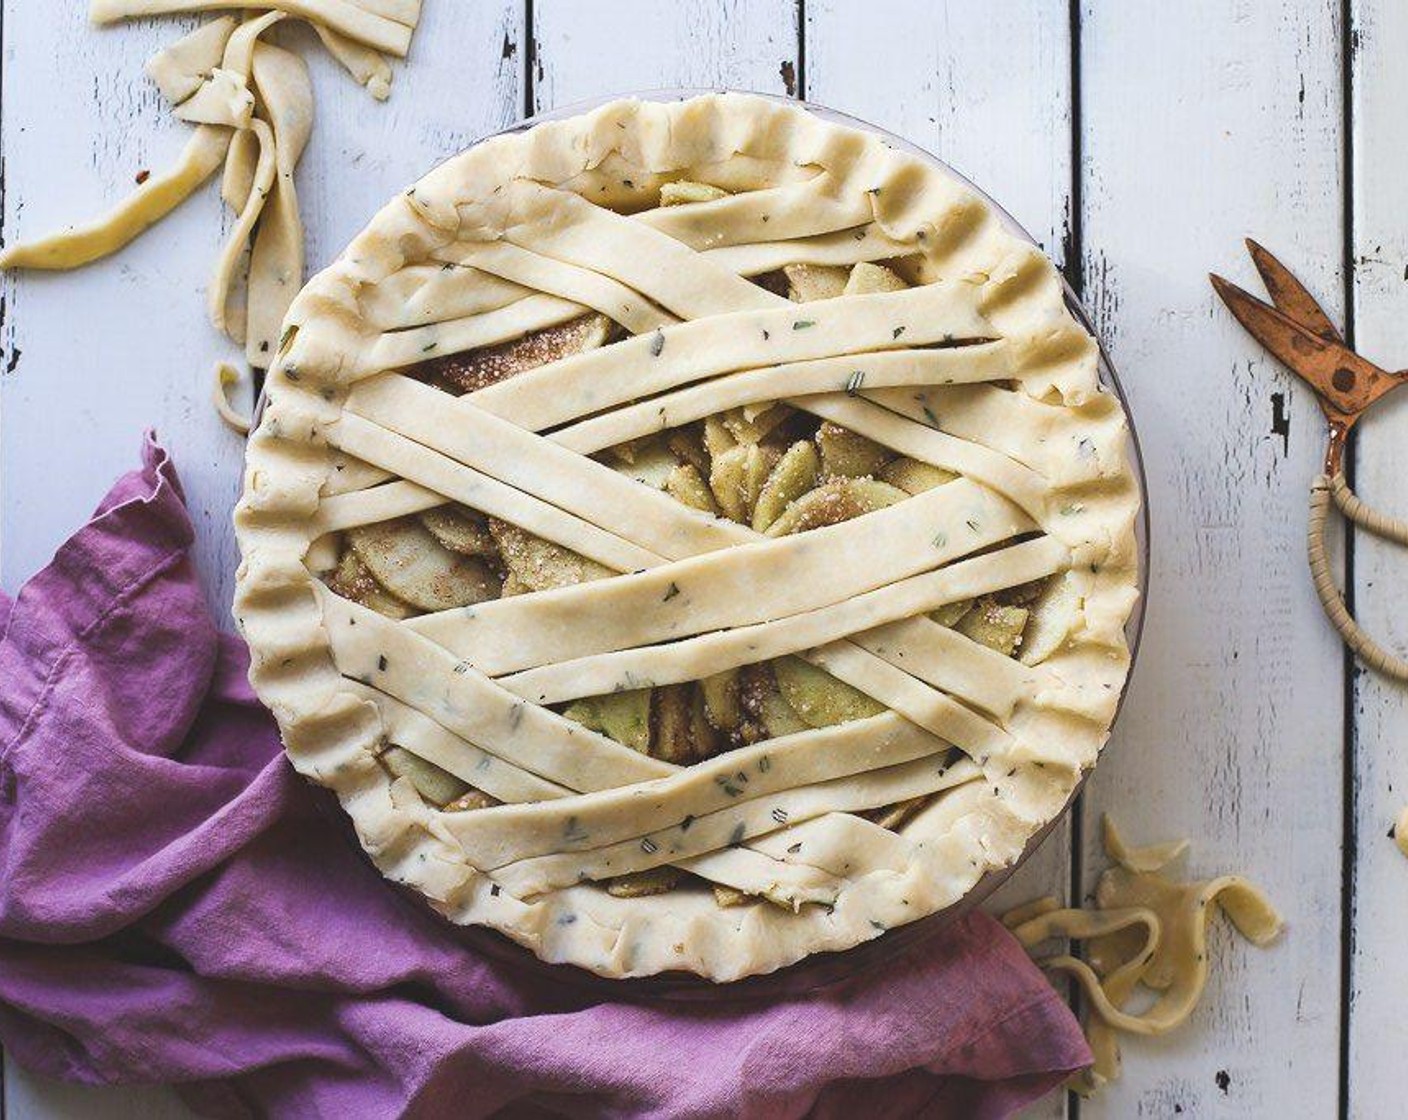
{"points": [[1324, 490]]}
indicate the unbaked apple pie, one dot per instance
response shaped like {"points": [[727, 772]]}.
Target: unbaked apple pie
{"points": [[689, 536]]}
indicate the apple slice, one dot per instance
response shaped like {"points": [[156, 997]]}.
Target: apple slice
{"points": [[352, 581], [460, 530], [1053, 616], [406, 559], [833, 502], [437, 786], [818, 697], [808, 282]]}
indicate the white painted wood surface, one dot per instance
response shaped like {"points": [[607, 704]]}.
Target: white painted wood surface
{"points": [[1202, 123], [1378, 981], [1195, 125]]}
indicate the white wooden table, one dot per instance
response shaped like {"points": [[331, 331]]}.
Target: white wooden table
{"points": [[1139, 141]]}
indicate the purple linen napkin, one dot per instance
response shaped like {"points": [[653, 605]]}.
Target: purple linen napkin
{"points": [[176, 907]]}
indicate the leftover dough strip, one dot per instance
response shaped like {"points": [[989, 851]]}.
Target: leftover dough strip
{"points": [[367, 66], [140, 210], [180, 69], [207, 77], [1171, 958], [237, 244], [276, 257], [226, 377], [355, 21]]}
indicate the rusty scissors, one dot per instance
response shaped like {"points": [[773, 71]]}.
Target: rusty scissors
{"points": [[1298, 332]]}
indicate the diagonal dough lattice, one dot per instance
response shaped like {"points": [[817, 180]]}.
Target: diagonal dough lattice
{"points": [[689, 536]]}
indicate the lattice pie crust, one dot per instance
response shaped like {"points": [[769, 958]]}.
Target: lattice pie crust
{"points": [[689, 537]]}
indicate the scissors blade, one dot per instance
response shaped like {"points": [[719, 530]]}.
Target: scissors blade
{"points": [[1347, 383], [1289, 294]]}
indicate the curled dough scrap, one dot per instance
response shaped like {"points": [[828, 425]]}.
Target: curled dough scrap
{"points": [[276, 259], [180, 69], [380, 24], [146, 206], [226, 378], [1154, 857], [368, 67], [226, 265], [206, 76], [1146, 930]]}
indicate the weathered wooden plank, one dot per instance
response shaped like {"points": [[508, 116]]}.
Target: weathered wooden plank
{"points": [[96, 356], [34, 1098], [1202, 123], [986, 88], [635, 45], [1378, 1033]]}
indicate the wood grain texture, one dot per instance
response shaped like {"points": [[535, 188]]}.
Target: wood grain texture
{"points": [[37, 1098], [1378, 964], [94, 357], [985, 87], [1203, 123], [630, 45]]}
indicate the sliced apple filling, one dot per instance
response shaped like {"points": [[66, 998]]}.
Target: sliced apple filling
{"points": [[770, 466]]}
